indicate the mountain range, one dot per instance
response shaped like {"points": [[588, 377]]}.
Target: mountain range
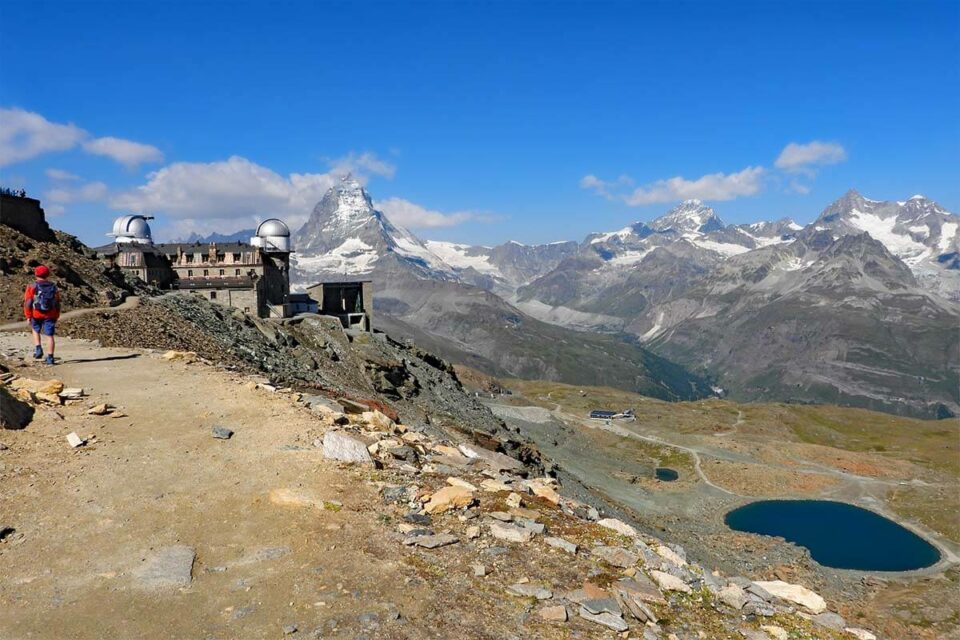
{"points": [[859, 307]]}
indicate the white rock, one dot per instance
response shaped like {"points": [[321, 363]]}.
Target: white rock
{"points": [[560, 543], [668, 582], [74, 440], [619, 526], [667, 553], [860, 634], [339, 446], [459, 482], [510, 532], [733, 596], [796, 594]]}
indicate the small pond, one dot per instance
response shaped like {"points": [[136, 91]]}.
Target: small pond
{"points": [[666, 474], [837, 534]]}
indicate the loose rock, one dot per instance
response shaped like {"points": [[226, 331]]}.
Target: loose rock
{"points": [[530, 591], [510, 532], [608, 620], [339, 446], [447, 498], [668, 582], [562, 544], [619, 526], [796, 594], [553, 614], [222, 433]]}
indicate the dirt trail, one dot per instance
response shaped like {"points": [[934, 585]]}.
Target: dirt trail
{"points": [[131, 302], [89, 517]]}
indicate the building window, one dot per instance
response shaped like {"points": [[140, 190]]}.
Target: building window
{"points": [[189, 257], [236, 272], [189, 273], [246, 309], [236, 257], [206, 272], [213, 295], [222, 272]]}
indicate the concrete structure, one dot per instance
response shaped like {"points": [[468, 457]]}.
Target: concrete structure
{"points": [[253, 277], [351, 302]]}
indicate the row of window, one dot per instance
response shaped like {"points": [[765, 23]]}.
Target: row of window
{"points": [[206, 272], [189, 257]]}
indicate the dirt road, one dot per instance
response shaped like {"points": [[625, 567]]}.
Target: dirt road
{"points": [[87, 521]]}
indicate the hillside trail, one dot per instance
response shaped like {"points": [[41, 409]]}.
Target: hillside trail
{"points": [[87, 520], [132, 302]]}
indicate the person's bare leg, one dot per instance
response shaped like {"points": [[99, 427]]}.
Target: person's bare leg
{"points": [[51, 345], [36, 334]]}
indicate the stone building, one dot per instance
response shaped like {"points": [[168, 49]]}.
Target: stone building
{"points": [[351, 302], [253, 277]]}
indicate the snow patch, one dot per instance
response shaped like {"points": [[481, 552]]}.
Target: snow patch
{"points": [[948, 231], [353, 257], [456, 256], [902, 246]]}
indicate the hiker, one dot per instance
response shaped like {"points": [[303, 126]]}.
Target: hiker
{"points": [[41, 307]]}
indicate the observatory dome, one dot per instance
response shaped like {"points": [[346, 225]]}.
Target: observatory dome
{"points": [[273, 236], [273, 227], [132, 229]]}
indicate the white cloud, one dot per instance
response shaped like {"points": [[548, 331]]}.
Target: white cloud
{"points": [[25, 135], [714, 186], [127, 152], [232, 189], [413, 216], [801, 158], [61, 175], [796, 186], [90, 192], [363, 164]]}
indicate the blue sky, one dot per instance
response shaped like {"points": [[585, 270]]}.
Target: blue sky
{"points": [[476, 122]]}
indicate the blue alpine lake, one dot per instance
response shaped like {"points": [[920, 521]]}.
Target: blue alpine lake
{"points": [[837, 534], [666, 474]]}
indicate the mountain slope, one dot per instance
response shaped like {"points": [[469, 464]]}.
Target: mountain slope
{"points": [[419, 295]]}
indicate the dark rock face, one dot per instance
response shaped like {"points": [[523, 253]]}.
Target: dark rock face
{"points": [[14, 413], [26, 216]]}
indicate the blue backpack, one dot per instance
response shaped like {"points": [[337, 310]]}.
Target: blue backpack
{"points": [[45, 296]]}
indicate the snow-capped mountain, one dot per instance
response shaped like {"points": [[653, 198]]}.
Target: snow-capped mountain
{"points": [[346, 236], [858, 307], [917, 230], [441, 295]]}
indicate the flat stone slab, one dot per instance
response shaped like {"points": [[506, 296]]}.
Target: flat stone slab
{"points": [[168, 567], [510, 532], [560, 543], [606, 619], [530, 591], [796, 594], [619, 526]]}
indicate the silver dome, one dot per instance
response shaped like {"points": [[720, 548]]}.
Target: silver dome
{"points": [[132, 228], [273, 227]]}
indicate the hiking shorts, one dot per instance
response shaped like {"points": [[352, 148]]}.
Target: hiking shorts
{"points": [[44, 327]]}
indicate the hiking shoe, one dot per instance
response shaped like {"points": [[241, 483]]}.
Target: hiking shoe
{"points": [[37, 352], [49, 359]]}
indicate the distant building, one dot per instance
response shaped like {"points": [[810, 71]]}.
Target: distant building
{"points": [[351, 302], [253, 277]]}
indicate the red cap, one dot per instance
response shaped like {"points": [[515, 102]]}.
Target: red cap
{"points": [[41, 271]]}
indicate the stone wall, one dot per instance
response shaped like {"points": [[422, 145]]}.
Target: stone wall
{"points": [[26, 216]]}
